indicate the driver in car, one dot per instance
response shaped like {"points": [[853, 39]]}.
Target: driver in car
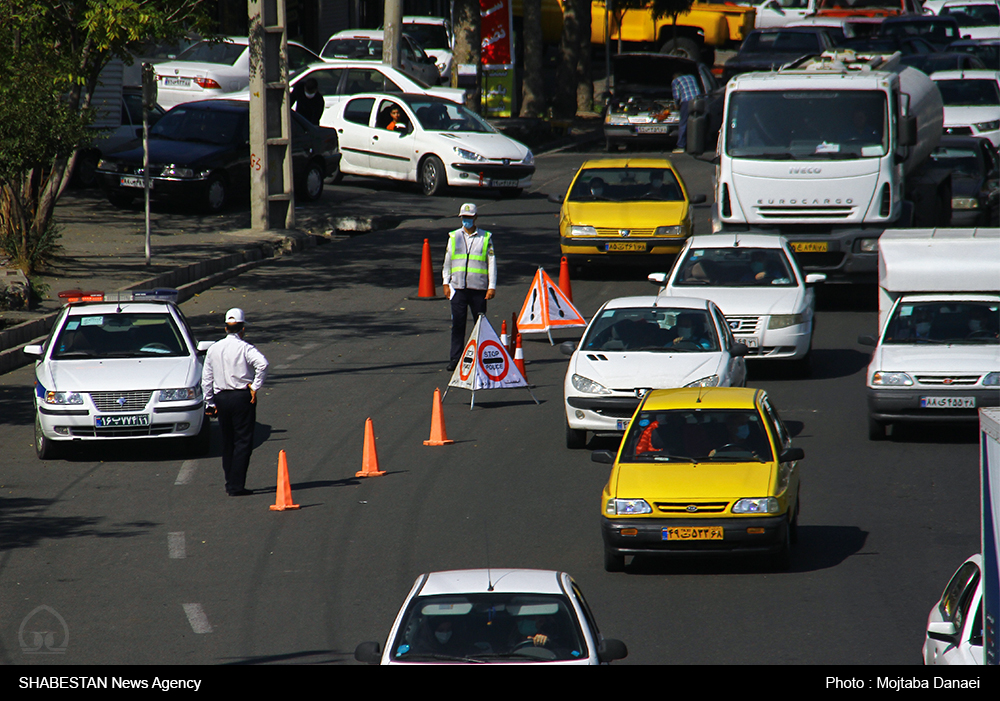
{"points": [[691, 330]]}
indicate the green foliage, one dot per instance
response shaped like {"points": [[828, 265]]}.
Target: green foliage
{"points": [[661, 8]]}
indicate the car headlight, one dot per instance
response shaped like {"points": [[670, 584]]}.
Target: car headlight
{"points": [[616, 119], [891, 379], [868, 245], [468, 155], [180, 395], [172, 171], [63, 398], [992, 380], [756, 505], [441, 66], [781, 321], [109, 166], [621, 507], [584, 384], [529, 160], [582, 231], [710, 381], [988, 126], [964, 203], [669, 231]]}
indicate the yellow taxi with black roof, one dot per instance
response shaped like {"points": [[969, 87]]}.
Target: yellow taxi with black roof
{"points": [[702, 471]]}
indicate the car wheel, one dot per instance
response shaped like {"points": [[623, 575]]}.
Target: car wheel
{"points": [[312, 183], [794, 535], [85, 171], [45, 449], [199, 445], [432, 176], [575, 438], [613, 562], [876, 430], [688, 48], [120, 200], [803, 366], [781, 561], [216, 194], [337, 174]]}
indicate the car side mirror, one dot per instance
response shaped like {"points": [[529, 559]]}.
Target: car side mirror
{"points": [[370, 653], [697, 134], [907, 131], [739, 350], [791, 455], [605, 457], [943, 631], [567, 347], [657, 278], [33, 350], [555, 199], [205, 345], [611, 649], [867, 340], [813, 278], [698, 199]]}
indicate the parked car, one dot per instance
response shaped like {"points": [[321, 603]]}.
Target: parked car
{"points": [[754, 278], [839, 28], [971, 103], [641, 107], [636, 344], [781, 13], [770, 49], [976, 18], [85, 173], [873, 9], [434, 143], [937, 31], [366, 45], [955, 623], [154, 52], [975, 179], [209, 70], [497, 615], [433, 35], [986, 50], [943, 61], [199, 152], [888, 45]]}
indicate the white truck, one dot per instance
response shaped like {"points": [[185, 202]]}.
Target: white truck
{"points": [[937, 354], [829, 152]]}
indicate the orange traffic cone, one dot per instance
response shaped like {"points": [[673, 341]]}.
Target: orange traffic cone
{"points": [[519, 358], [564, 283], [503, 335], [283, 496], [369, 460], [427, 288], [439, 436]]}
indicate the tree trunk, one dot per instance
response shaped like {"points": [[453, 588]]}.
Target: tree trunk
{"points": [[533, 85], [468, 44], [564, 100], [584, 74]]}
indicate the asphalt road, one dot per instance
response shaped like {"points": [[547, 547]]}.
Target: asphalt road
{"points": [[139, 553]]}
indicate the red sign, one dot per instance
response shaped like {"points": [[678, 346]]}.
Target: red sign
{"points": [[495, 30], [493, 360]]}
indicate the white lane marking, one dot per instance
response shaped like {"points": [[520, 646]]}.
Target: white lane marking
{"points": [[294, 356], [187, 472], [175, 545], [283, 366], [309, 346], [197, 618]]}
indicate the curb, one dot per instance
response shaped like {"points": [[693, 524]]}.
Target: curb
{"points": [[189, 281]]}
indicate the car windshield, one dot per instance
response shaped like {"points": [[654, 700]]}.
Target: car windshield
{"points": [[199, 125], [447, 116], [702, 435], [975, 323], [429, 36], [358, 49], [225, 53], [807, 124], [735, 267], [626, 185], [962, 162], [489, 627], [989, 54], [653, 329], [969, 92], [973, 15], [119, 335], [937, 31]]}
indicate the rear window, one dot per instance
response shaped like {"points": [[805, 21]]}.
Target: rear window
{"points": [[355, 49], [225, 53]]}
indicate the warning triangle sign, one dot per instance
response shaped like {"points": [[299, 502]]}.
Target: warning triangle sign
{"points": [[547, 307], [485, 363]]}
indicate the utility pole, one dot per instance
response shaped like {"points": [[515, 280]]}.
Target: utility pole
{"points": [[272, 196], [393, 37]]}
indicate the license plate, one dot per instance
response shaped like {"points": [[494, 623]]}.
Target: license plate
{"points": [[622, 424], [177, 82], [134, 181], [748, 341], [653, 129], [627, 247], [699, 533], [503, 183], [125, 420], [809, 246], [948, 402]]}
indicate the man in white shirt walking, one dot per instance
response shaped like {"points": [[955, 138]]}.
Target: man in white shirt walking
{"points": [[234, 372]]}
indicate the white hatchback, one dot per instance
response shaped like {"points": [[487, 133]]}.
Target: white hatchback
{"points": [[637, 344], [757, 284], [366, 45], [955, 624], [118, 365], [500, 616], [433, 142], [971, 103]]}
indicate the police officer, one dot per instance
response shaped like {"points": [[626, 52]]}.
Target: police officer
{"points": [[234, 372], [470, 276]]}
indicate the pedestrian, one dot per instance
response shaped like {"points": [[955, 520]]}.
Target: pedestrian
{"points": [[685, 88], [307, 101], [470, 276], [234, 372]]}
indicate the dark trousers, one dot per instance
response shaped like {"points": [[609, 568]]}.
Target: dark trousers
{"points": [[237, 418], [682, 126], [462, 300]]}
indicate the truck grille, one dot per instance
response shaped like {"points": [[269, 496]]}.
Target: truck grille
{"points": [[121, 401], [745, 325], [948, 380], [699, 507], [778, 212]]}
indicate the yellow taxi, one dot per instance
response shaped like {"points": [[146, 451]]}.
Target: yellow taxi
{"points": [[625, 209], [702, 471]]}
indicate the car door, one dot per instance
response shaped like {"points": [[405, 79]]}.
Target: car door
{"points": [[354, 134], [415, 62], [391, 153], [736, 369]]}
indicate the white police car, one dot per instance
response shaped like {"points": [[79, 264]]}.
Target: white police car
{"points": [[118, 365]]}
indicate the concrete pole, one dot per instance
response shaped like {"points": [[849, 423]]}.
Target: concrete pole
{"points": [[393, 38]]}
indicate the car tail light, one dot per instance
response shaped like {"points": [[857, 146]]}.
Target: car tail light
{"points": [[208, 84]]}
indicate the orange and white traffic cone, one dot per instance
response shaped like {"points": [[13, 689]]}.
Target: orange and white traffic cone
{"points": [[427, 289], [369, 460], [283, 496], [439, 435], [564, 282], [503, 335], [519, 359]]}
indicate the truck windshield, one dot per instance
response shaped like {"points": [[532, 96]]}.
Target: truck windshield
{"points": [[944, 322], [807, 124]]}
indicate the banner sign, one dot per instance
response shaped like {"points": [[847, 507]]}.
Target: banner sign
{"points": [[497, 57]]}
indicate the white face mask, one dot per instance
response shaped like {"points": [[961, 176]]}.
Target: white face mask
{"points": [[923, 327], [310, 95], [442, 636]]}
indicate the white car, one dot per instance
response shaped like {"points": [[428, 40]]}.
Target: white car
{"points": [[118, 365], [757, 284], [435, 143], [976, 19], [434, 35], [637, 344], [366, 45], [207, 70], [955, 624], [500, 616], [971, 103]]}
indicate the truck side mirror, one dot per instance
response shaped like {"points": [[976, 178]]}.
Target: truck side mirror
{"points": [[908, 131], [697, 106], [697, 129], [867, 340]]}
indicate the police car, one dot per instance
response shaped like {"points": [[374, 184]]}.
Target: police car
{"points": [[118, 365]]}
